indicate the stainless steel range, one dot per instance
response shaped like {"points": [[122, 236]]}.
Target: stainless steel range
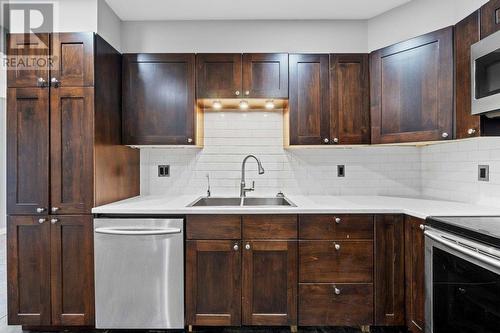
{"points": [[462, 267]]}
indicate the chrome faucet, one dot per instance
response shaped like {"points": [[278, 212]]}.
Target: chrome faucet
{"points": [[209, 192], [243, 189]]}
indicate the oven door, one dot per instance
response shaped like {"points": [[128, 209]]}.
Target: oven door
{"points": [[462, 285]]}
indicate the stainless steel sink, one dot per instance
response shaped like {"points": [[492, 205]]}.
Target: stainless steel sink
{"points": [[246, 202]]}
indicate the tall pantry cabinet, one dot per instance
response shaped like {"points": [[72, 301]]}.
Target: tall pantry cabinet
{"points": [[64, 156]]}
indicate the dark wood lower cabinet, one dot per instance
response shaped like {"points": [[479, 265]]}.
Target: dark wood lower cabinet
{"points": [[414, 274], [270, 283], [335, 304], [213, 283]]}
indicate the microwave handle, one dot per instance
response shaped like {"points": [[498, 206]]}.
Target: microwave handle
{"points": [[473, 254], [138, 232]]}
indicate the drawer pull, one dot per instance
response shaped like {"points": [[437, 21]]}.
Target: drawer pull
{"points": [[337, 246], [236, 247], [336, 290], [337, 220], [247, 247]]}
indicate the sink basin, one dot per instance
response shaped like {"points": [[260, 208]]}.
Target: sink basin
{"points": [[237, 202]]}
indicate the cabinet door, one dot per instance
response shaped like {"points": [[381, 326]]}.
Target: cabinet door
{"points": [[218, 75], [28, 278], [490, 18], [309, 105], [412, 89], [73, 59], [414, 274], [71, 150], [466, 34], [27, 150], [270, 283], [265, 75], [72, 271], [389, 271], [350, 98], [158, 99], [213, 283], [28, 60]]}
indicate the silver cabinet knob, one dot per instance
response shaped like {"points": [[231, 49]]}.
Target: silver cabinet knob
{"points": [[41, 82], [337, 220], [237, 92], [444, 135], [336, 290], [40, 210], [326, 140], [54, 209], [236, 247], [54, 221], [247, 247], [190, 140], [54, 82], [422, 227], [247, 93], [337, 246], [41, 220], [471, 131], [336, 140]]}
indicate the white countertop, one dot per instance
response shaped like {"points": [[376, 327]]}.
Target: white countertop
{"points": [[420, 208]]}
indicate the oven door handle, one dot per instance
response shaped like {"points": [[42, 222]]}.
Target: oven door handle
{"points": [[137, 231], [473, 254]]}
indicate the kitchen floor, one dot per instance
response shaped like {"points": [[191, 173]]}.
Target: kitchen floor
{"points": [[4, 328]]}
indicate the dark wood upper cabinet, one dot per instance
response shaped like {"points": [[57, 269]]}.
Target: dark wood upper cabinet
{"points": [[414, 274], [159, 99], [270, 283], [213, 283], [389, 271], [71, 149], [28, 60], [73, 59], [28, 278], [219, 75], [265, 75], [72, 271], [412, 89], [466, 34], [350, 99], [27, 150], [309, 102], [490, 18]]}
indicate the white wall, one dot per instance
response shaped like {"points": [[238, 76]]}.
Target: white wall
{"points": [[108, 24], [244, 36]]}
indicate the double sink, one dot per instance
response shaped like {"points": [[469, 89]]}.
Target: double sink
{"points": [[242, 202]]}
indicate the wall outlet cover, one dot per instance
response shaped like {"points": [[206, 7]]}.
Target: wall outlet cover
{"points": [[484, 173], [163, 170]]}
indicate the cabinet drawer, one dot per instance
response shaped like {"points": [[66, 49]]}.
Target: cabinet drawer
{"points": [[336, 227], [329, 261], [213, 227], [319, 305], [269, 227]]}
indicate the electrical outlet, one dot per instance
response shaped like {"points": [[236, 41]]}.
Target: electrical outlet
{"points": [[483, 173], [340, 170], [163, 170]]}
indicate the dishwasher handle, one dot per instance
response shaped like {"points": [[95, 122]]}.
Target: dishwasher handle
{"points": [[137, 231]]}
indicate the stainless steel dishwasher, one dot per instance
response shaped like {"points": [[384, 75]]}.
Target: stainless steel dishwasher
{"points": [[139, 273]]}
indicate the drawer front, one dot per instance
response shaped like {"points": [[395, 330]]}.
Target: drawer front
{"points": [[340, 227], [341, 261], [270, 227], [320, 305], [213, 227]]}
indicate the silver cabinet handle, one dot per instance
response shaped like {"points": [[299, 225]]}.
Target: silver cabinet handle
{"points": [[54, 82], [237, 92], [326, 140], [336, 140], [444, 135], [190, 140], [337, 246], [54, 221], [336, 290], [337, 220], [41, 82], [247, 247], [422, 227], [40, 210], [54, 209], [247, 93], [41, 220], [137, 232], [236, 247], [471, 131]]}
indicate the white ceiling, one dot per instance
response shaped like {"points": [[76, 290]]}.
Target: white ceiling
{"points": [[134, 10]]}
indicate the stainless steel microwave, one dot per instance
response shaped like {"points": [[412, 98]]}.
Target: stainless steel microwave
{"points": [[485, 78]]}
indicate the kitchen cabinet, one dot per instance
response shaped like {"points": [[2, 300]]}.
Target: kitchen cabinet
{"points": [[412, 89], [50, 270], [389, 270], [466, 34], [490, 18], [309, 102], [265, 75], [219, 75], [414, 274], [159, 99], [350, 99]]}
